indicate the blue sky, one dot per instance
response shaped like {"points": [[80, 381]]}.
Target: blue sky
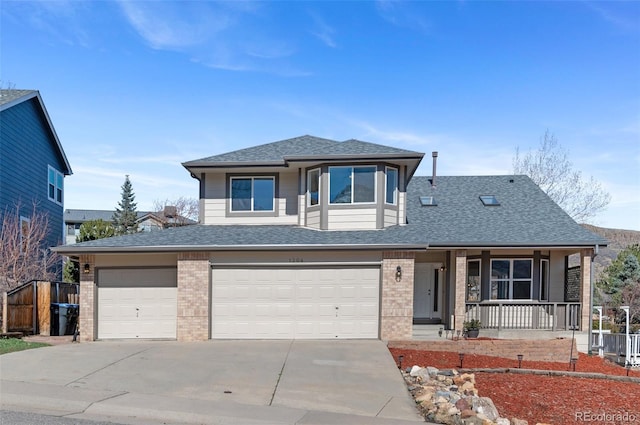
{"points": [[139, 87]]}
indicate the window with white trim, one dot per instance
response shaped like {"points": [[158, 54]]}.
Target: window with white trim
{"points": [[391, 183], [473, 281], [352, 185], [313, 187], [251, 194], [55, 186], [511, 279]]}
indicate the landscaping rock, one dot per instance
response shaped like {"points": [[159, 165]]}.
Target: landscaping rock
{"points": [[503, 421], [516, 421], [485, 406]]}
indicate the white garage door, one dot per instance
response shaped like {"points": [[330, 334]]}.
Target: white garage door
{"points": [[295, 302], [137, 303]]}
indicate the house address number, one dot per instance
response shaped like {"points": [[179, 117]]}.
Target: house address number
{"points": [[296, 260]]}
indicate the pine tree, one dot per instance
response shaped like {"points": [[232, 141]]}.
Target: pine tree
{"points": [[125, 217]]}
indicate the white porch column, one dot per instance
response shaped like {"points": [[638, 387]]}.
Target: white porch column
{"points": [[460, 289]]}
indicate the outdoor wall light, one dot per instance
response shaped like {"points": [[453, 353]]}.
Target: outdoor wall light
{"points": [[461, 357], [398, 273], [520, 357], [443, 269], [87, 268]]}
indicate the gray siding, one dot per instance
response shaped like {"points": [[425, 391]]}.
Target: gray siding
{"points": [[27, 148]]}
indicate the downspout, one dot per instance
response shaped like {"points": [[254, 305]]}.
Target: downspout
{"points": [[590, 345]]}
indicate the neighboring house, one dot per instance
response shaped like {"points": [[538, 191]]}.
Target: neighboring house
{"points": [[147, 221], [314, 238], [32, 162]]}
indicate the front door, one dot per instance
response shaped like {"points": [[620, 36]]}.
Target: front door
{"points": [[427, 293]]}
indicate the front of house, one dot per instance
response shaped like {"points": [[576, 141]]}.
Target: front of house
{"points": [[318, 239]]}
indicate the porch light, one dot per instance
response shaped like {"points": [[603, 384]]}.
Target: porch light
{"points": [[87, 268], [520, 357], [443, 269], [461, 357], [398, 274]]}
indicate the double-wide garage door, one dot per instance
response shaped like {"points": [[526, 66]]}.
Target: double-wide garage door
{"points": [[301, 302], [137, 303]]}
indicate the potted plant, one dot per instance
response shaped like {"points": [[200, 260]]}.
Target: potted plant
{"points": [[472, 328]]}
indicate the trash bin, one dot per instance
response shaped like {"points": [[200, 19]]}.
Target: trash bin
{"points": [[63, 318]]}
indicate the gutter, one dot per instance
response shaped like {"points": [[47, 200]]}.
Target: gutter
{"points": [[68, 250]]}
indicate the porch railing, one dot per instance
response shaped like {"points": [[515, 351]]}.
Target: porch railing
{"points": [[627, 352], [509, 315]]}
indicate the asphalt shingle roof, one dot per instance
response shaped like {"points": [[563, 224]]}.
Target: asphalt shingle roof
{"points": [[80, 216], [10, 95], [526, 216], [297, 147]]}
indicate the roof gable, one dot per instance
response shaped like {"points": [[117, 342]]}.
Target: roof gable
{"points": [[10, 98]]}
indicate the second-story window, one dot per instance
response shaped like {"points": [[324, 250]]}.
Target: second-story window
{"points": [[352, 185], [391, 190], [313, 185], [56, 184], [252, 193]]}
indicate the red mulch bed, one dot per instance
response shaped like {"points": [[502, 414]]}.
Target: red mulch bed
{"points": [[546, 399]]}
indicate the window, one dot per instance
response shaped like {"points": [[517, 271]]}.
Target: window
{"points": [[392, 186], [511, 279], [313, 187], [426, 201], [352, 185], [252, 193], [489, 200], [473, 280], [56, 184]]}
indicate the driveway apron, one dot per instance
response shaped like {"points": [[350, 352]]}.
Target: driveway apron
{"points": [[289, 380]]}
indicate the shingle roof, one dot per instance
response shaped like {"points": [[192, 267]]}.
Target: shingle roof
{"points": [[80, 216], [526, 217], [298, 148], [9, 96]]}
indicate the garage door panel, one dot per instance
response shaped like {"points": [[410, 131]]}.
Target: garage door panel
{"points": [[295, 302], [137, 303]]}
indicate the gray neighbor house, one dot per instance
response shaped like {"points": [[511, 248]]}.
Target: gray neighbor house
{"points": [[320, 239]]}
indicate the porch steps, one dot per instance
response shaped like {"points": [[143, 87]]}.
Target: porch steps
{"points": [[427, 332]]}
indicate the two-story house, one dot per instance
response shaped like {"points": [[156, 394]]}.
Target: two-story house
{"points": [[314, 238], [32, 162]]}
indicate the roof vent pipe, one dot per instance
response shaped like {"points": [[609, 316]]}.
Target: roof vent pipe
{"points": [[435, 159]]}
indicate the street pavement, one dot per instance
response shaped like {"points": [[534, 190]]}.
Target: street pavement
{"points": [[211, 382]]}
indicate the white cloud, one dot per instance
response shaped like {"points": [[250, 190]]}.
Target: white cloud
{"points": [[402, 14], [323, 31]]}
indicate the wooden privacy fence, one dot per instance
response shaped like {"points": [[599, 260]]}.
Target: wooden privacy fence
{"points": [[27, 308]]}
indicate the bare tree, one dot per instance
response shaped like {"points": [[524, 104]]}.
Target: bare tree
{"points": [[177, 212], [550, 168], [24, 254]]}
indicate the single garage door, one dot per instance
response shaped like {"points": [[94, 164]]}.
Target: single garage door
{"points": [[298, 302], [137, 303]]}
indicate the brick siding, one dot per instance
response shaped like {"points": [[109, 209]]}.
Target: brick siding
{"points": [[549, 350], [396, 317], [193, 296]]}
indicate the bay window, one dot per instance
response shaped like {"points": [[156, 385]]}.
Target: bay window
{"points": [[352, 185]]}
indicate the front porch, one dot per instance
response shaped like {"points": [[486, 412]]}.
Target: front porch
{"points": [[551, 316]]}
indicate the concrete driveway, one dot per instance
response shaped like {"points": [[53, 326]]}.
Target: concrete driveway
{"points": [[243, 382]]}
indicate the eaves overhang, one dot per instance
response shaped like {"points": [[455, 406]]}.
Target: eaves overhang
{"points": [[70, 250], [518, 245]]}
